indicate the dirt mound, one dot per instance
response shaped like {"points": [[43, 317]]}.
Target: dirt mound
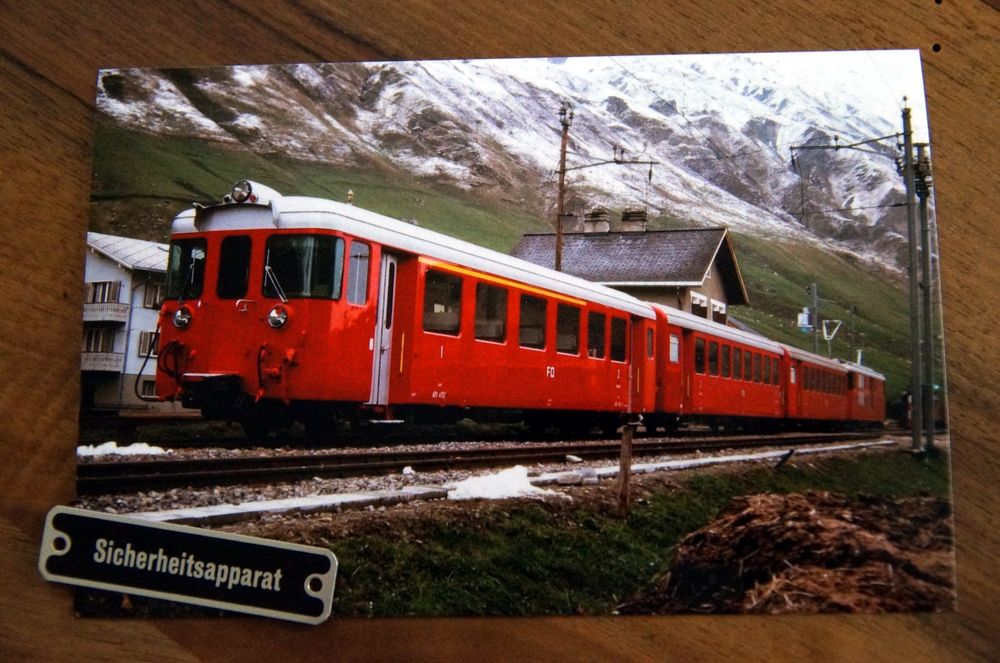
{"points": [[807, 553]]}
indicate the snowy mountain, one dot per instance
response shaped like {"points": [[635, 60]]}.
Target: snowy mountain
{"points": [[719, 128]]}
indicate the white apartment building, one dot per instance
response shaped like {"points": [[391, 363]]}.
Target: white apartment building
{"points": [[125, 282]]}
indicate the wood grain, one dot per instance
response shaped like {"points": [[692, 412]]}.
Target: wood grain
{"points": [[48, 61]]}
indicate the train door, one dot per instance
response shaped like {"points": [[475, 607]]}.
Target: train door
{"points": [[382, 338]]}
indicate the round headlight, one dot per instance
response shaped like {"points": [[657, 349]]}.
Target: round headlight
{"points": [[277, 316], [182, 317], [242, 191]]}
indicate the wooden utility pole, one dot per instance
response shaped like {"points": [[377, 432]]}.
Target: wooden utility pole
{"points": [[922, 181], [916, 374], [565, 119]]}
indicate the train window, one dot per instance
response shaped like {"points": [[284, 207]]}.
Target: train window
{"points": [[699, 355], [791, 375], [619, 339], [713, 358], [491, 313], [234, 267], [595, 335], [747, 366], [303, 266], [531, 332], [650, 346], [390, 294], [737, 364], [186, 268], [756, 367], [775, 373], [442, 303], [850, 381], [767, 369], [675, 349], [726, 360], [357, 273], [567, 329]]}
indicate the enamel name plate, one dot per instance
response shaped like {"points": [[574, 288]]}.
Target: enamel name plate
{"points": [[189, 565]]}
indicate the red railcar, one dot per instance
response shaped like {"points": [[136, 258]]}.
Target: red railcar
{"points": [[291, 307], [283, 308], [817, 387], [715, 374], [865, 396]]}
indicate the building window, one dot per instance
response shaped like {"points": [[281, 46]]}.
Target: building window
{"points": [[148, 388], [442, 303], [148, 342], [103, 292], [234, 267], [531, 329], [155, 291], [491, 313], [99, 339], [619, 339], [357, 273], [567, 329], [699, 305], [595, 335], [718, 312], [675, 349]]}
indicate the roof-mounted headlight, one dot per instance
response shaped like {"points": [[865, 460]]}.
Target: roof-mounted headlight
{"points": [[242, 191], [182, 317]]}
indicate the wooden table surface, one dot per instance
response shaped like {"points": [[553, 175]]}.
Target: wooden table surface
{"points": [[49, 55]]}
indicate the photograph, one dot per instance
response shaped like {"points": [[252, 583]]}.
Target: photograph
{"points": [[603, 336]]}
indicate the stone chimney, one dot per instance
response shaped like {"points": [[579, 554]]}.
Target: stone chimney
{"points": [[634, 220], [570, 222], [597, 221]]}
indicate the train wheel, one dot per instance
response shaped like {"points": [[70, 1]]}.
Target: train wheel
{"points": [[255, 427]]}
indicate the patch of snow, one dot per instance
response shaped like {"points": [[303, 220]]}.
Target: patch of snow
{"points": [[512, 482], [248, 121], [112, 449]]}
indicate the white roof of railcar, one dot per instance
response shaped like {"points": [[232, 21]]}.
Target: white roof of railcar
{"points": [[696, 323], [305, 212], [802, 355], [865, 370]]}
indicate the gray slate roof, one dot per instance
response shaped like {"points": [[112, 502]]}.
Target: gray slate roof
{"points": [[130, 253], [651, 258]]}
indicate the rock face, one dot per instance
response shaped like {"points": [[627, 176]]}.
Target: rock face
{"points": [[719, 127], [809, 553]]}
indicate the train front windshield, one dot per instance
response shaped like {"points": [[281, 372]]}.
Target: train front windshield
{"points": [[304, 266], [186, 269]]}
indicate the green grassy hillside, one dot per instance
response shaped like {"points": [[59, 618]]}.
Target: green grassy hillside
{"points": [[140, 181]]}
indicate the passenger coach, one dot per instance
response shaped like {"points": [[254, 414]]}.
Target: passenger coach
{"points": [[282, 308]]}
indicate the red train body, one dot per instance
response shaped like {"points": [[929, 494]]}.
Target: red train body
{"points": [[283, 308]]}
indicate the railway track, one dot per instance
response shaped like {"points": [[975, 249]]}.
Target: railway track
{"points": [[130, 476]]}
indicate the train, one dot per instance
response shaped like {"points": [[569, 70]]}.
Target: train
{"points": [[282, 309]]}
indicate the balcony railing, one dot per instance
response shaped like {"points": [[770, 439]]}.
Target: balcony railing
{"points": [[102, 361], [105, 312]]}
